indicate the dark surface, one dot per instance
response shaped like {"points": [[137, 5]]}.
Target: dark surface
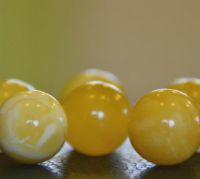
{"points": [[124, 163]]}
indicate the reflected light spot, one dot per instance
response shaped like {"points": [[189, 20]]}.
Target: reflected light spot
{"points": [[117, 97], [188, 104], [173, 104], [53, 105], [176, 91], [103, 97], [27, 104], [162, 104], [99, 114], [125, 111], [197, 119], [157, 94], [34, 122], [92, 96], [6, 94], [169, 122]]}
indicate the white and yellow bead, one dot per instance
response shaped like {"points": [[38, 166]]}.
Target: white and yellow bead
{"points": [[32, 127]]}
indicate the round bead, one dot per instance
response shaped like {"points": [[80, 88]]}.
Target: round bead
{"points": [[97, 118], [89, 75], [190, 86], [32, 127], [11, 87], [164, 127]]}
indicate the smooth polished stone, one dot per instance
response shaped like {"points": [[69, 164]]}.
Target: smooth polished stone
{"points": [[10, 87], [89, 75], [32, 127], [190, 86], [164, 127], [97, 118]]}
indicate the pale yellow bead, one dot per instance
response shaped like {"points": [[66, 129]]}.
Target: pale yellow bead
{"points": [[32, 127], [164, 127]]}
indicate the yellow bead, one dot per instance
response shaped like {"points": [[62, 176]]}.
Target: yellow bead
{"points": [[32, 127], [190, 86], [11, 87], [97, 118], [164, 127], [89, 75]]}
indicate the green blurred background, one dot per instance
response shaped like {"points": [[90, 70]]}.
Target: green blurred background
{"points": [[145, 43]]}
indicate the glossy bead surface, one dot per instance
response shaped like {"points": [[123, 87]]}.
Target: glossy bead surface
{"points": [[97, 118], [32, 127], [11, 87], [89, 75], [164, 127], [190, 86]]}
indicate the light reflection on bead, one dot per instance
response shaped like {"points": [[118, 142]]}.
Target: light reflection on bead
{"points": [[100, 115], [169, 122]]}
